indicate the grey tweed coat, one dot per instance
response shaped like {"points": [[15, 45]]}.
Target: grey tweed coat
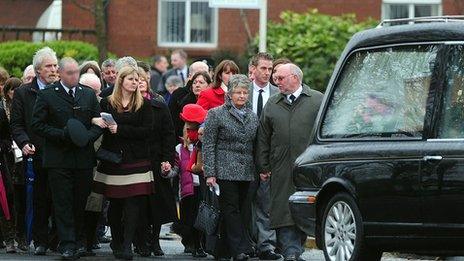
{"points": [[228, 143]]}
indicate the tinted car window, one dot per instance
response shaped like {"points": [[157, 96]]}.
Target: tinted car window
{"points": [[452, 114], [381, 93]]}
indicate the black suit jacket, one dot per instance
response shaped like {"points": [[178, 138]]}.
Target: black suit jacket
{"points": [[173, 71], [52, 110], [21, 116], [107, 92], [156, 82]]}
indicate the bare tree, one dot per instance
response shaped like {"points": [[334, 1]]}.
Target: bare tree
{"points": [[98, 12]]}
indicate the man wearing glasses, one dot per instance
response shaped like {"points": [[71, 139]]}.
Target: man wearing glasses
{"points": [[285, 128]]}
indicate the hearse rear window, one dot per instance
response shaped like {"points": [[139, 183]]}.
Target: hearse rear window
{"points": [[381, 93], [452, 113]]}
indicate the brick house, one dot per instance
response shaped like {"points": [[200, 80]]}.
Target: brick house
{"points": [[145, 27]]}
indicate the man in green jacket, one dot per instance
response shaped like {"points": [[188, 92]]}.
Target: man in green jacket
{"points": [[285, 127]]}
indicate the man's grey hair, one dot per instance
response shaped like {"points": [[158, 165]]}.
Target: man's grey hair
{"points": [[40, 56], [89, 79], [64, 61], [30, 67], [198, 66], [125, 61], [238, 81], [108, 63], [174, 80], [294, 69]]}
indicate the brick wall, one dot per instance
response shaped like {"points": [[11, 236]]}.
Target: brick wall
{"points": [[132, 25], [23, 13]]}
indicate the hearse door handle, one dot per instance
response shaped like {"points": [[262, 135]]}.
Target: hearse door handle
{"points": [[432, 158]]}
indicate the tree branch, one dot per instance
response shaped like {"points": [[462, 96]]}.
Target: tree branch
{"points": [[83, 7]]}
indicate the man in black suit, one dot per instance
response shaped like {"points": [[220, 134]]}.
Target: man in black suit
{"points": [[69, 163], [45, 66], [179, 66], [159, 66], [260, 91], [108, 73]]}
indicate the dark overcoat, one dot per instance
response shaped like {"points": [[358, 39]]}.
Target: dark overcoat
{"points": [[52, 110], [283, 135], [21, 116], [162, 148]]}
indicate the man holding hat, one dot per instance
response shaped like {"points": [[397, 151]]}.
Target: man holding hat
{"points": [[62, 116]]}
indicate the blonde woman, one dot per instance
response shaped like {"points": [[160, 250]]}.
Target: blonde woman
{"points": [[124, 174]]}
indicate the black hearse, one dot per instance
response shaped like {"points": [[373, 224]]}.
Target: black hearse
{"points": [[385, 168]]}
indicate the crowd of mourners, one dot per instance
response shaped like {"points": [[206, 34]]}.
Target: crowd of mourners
{"points": [[132, 146]]}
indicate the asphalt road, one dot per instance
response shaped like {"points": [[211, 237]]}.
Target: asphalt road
{"points": [[174, 251]]}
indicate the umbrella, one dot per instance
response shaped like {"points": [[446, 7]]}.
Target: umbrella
{"points": [[30, 176], [3, 199]]}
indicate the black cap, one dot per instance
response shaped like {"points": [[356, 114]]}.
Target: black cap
{"points": [[77, 132]]}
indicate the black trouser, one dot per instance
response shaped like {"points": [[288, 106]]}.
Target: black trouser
{"points": [[191, 237], [70, 189], [124, 215], [42, 204], [231, 202], [20, 207]]}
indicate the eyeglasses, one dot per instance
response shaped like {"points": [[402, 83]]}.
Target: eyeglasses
{"points": [[281, 78], [241, 93]]}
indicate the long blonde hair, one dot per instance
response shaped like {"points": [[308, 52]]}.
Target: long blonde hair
{"points": [[115, 99]]}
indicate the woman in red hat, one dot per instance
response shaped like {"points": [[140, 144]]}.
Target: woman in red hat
{"points": [[189, 183]]}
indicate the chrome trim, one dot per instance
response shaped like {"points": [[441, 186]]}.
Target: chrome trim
{"points": [[426, 19], [440, 140], [301, 197]]}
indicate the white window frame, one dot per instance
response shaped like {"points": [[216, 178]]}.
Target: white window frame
{"points": [[187, 43], [411, 4]]}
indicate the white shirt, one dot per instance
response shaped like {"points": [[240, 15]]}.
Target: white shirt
{"points": [[296, 94], [66, 89], [184, 73], [266, 94], [40, 84]]}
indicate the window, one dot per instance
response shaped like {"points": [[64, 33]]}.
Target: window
{"points": [[188, 23], [452, 114], [394, 9], [381, 93]]}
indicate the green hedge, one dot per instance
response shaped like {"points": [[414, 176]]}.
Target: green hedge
{"points": [[312, 40], [16, 55]]}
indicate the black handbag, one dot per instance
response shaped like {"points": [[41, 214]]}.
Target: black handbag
{"points": [[208, 213], [110, 156]]}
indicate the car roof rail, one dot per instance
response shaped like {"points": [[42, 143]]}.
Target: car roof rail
{"points": [[425, 19]]}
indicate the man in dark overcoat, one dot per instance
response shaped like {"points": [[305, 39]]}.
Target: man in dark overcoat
{"points": [[45, 66], [68, 160], [284, 132]]}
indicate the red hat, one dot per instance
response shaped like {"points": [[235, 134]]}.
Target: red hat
{"points": [[193, 113]]}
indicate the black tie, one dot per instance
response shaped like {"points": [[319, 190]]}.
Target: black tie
{"points": [[292, 98], [260, 103], [71, 93], [181, 75]]}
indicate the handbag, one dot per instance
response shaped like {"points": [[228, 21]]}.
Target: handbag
{"points": [[106, 155], [208, 213]]}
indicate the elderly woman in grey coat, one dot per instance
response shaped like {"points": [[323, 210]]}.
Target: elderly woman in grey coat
{"points": [[230, 131]]}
